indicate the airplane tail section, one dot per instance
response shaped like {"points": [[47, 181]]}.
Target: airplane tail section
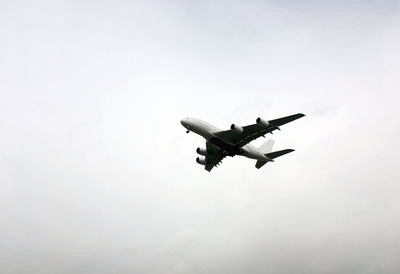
{"points": [[279, 153], [267, 146], [273, 155]]}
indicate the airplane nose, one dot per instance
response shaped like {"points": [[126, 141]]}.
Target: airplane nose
{"points": [[184, 122]]}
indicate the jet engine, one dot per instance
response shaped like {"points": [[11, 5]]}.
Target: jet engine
{"points": [[236, 128], [201, 161], [201, 151], [262, 122]]}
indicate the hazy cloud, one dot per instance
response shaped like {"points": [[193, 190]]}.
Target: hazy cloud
{"points": [[98, 176]]}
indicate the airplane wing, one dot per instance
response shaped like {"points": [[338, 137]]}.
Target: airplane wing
{"points": [[254, 131], [214, 156]]}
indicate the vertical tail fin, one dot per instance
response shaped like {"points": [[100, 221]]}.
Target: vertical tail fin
{"points": [[267, 146]]}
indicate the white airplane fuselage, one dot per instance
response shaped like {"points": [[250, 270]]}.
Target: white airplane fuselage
{"points": [[207, 131]]}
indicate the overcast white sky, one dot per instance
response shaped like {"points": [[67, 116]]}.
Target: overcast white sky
{"points": [[98, 176]]}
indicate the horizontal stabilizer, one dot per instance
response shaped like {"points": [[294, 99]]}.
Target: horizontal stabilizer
{"points": [[273, 155], [260, 163], [276, 154]]}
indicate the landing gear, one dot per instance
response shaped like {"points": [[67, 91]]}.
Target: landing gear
{"points": [[187, 131]]}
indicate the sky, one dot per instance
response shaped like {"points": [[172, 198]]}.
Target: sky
{"points": [[97, 175]]}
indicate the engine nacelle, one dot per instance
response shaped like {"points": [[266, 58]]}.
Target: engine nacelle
{"points": [[236, 128], [262, 122], [201, 161], [201, 151]]}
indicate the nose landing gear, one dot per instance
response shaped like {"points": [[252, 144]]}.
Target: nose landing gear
{"points": [[187, 131]]}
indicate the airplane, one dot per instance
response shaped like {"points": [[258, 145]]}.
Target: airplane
{"points": [[235, 141]]}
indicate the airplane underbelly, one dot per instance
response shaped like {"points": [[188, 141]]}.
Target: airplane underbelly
{"points": [[232, 150]]}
